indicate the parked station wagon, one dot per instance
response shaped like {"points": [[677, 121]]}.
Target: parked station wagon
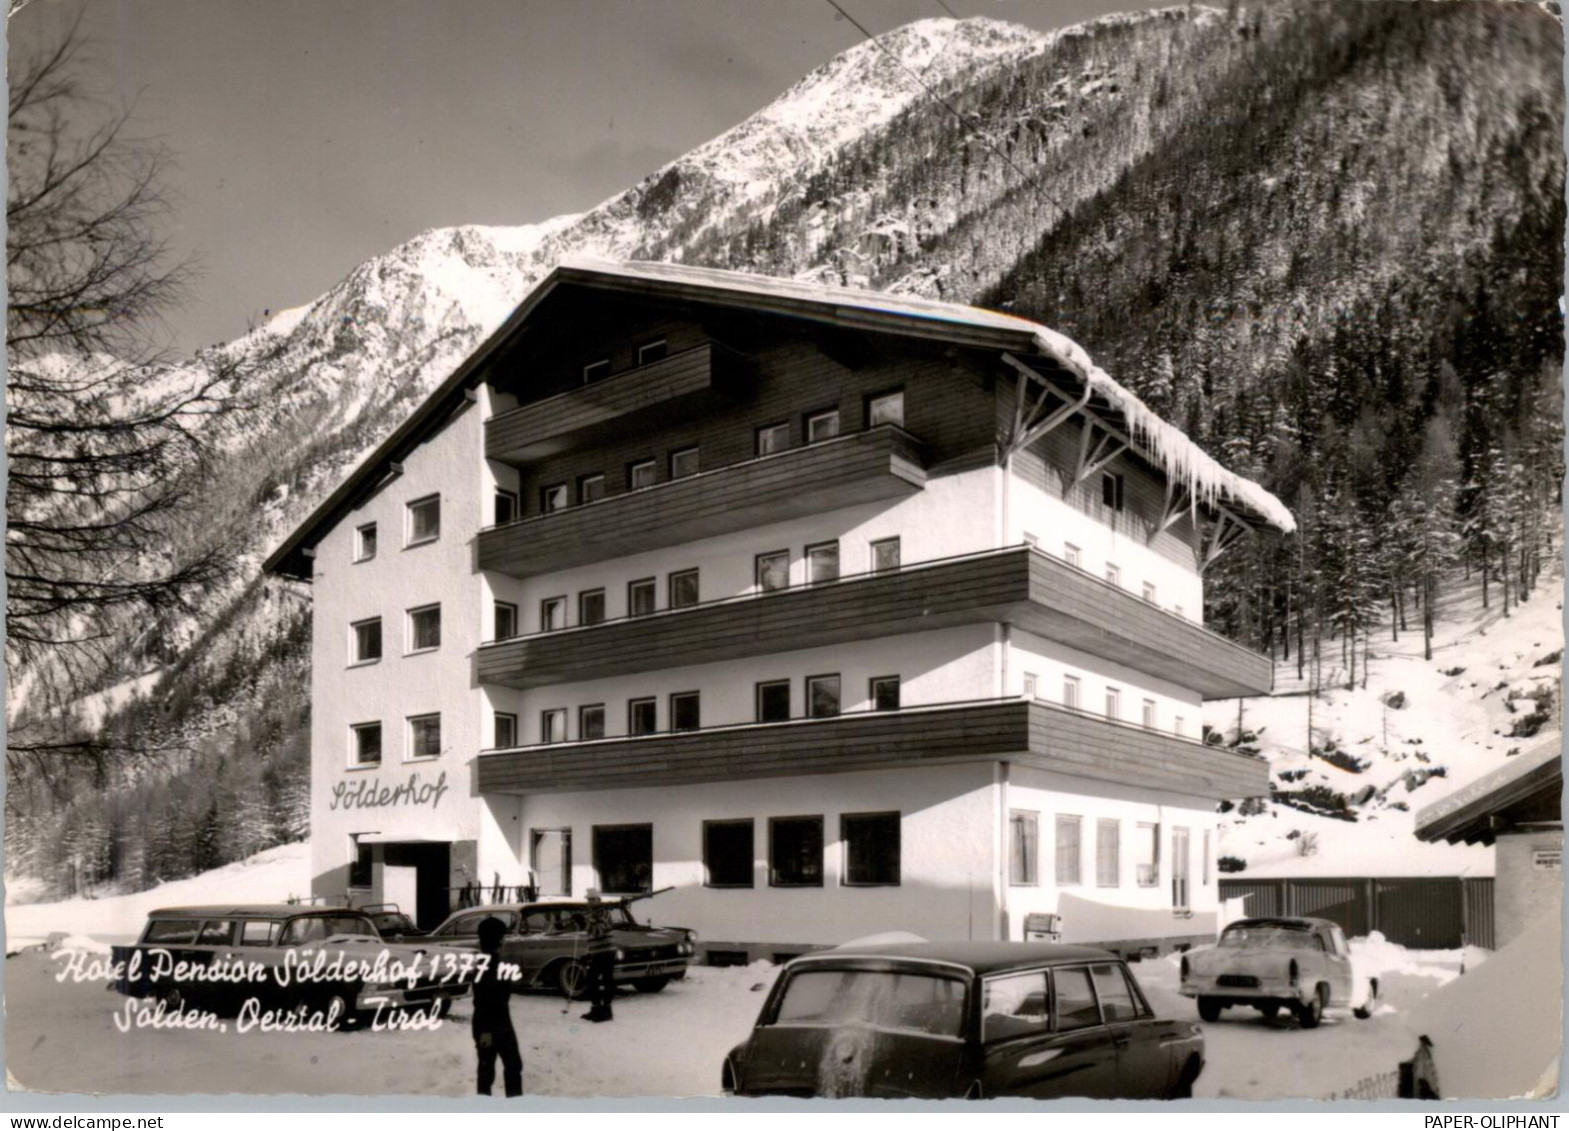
{"points": [[965, 1019], [1303, 965], [183, 949], [548, 942]]}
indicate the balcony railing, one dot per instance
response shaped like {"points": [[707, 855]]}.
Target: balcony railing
{"points": [[1029, 732], [1017, 585], [673, 389], [864, 467]]}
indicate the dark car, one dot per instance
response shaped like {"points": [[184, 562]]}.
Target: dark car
{"points": [[391, 922], [218, 956], [963, 1020], [548, 942]]}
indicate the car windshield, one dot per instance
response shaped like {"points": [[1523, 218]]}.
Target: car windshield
{"points": [[916, 1003], [1290, 938]]}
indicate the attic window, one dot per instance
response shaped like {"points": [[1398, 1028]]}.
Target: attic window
{"points": [[1111, 490], [596, 371], [652, 351]]}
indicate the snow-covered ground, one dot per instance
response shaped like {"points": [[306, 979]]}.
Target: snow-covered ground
{"points": [[1443, 731]]}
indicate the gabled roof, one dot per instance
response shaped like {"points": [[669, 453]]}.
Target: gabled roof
{"points": [[1163, 443], [1534, 778]]}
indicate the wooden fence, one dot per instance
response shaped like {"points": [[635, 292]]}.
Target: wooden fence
{"points": [[1419, 912]]}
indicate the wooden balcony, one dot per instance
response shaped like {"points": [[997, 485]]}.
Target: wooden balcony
{"points": [[1009, 730], [670, 390], [1018, 586], [864, 467]]}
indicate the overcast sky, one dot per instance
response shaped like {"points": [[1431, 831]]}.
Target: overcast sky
{"points": [[311, 135]]}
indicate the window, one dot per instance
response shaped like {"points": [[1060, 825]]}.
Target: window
{"points": [[795, 852], [773, 701], [1071, 554], [885, 555], [822, 426], [590, 488], [1113, 703], [1111, 490], [424, 520], [1117, 1002], [1113, 574], [506, 507], [640, 597], [728, 852], [1179, 869], [264, 932], [365, 542], [1014, 1006], [1108, 853], [871, 848], [425, 736], [506, 728], [822, 562], [772, 438], [552, 614], [885, 408], [591, 721], [366, 744], [884, 693], [1068, 832], [1070, 692], [367, 641], [591, 606], [650, 352], [641, 717], [1023, 842], [683, 463], [596, 371], [1204, 861], [553, 725], [1177, 725], [822, 696], [425, 628], [640, 475], [1029, 685], [360, 868], [773, 571], [506, 620], [624, 857], [1149, 592], [551, 852], [553, 498], [1178, 610], [683, 589], [1075, 999], [1147, 846], [685, 713], [1148, 716]]}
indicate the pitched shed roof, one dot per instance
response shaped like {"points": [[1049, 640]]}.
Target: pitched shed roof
{"points": [[1163, 443], [1531, 780]]}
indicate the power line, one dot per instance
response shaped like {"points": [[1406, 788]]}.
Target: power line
{"points": [[941, 4], [945, 104]]}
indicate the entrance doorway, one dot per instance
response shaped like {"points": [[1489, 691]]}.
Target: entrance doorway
{"points": [[416, 877]]}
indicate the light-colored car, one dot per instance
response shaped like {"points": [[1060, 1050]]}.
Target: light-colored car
{"points": [[1303, 965]]}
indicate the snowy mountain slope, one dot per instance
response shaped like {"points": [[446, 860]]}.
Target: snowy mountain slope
{"points": [[1418, 731]]}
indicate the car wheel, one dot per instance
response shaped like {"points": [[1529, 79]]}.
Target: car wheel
{"points": [[1185, 1082], [1270, 1009], [443, 1005], [173, 999], [339, 1004], [571, 978], [1365, 1010], [1209, 1009], [650, 985], [1311, 1012]]}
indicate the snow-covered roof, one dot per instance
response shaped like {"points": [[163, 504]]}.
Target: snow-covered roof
{"points": [[1466, 813], [1162, 443], [1168, 446]]}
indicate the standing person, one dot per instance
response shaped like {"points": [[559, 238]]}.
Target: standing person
{"points": [[492, 1026], [601, 960]]}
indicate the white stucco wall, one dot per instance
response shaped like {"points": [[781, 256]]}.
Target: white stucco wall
{"points": [[952, 515], [1049, 662], [1050, 794], [947, 666], [1055, 524], [399, 685], [949, 875]]}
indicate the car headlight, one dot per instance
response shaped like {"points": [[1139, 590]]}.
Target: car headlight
{"points": [[621, 955]]}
